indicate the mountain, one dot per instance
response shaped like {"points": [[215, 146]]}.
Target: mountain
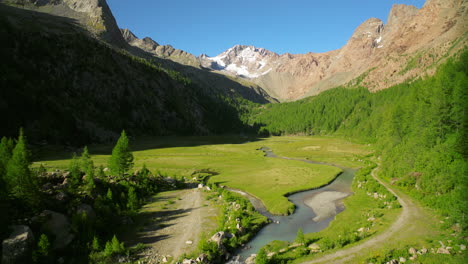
{"points": [[377, 55], [94, 15], [64, 85], [163, 51]]}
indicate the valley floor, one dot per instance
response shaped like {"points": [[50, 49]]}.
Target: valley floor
{"points": [[172, 223], [404, 225]]}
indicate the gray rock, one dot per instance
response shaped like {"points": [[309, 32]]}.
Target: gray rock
{"points": [[219, 236], [18, 247], [314, 246], [58, 225], [251, 259], [443, 251], [62, 197], [203, 258]]}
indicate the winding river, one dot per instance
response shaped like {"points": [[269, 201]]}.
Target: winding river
{"points": [[285, 227]]}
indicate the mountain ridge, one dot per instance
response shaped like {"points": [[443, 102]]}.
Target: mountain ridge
{"points": [[377, 55]]}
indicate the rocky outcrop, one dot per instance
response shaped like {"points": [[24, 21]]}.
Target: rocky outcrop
{"points": [[17, 248], [95, 15], [163, 51], [58, 225]]}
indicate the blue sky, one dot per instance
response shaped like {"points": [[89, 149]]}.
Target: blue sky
{"points": [[212, 26]]}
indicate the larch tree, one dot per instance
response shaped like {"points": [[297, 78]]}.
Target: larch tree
{"points": [[121, 160], [19, 179]]}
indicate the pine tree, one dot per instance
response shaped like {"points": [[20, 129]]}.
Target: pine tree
{"points": [[132, 202], [109, 194], [89, 180], [300, 236], [19, 179], [95, 245], [88, 166], [85, 158], [43, 247], [121, 160], [75, 171]]}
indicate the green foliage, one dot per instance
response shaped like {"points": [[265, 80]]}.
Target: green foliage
{"points": [[6, 151], [109, 195], [121, 160], [75, 172], [132, 203], [19, 179], [261, 257], [300, 236], [419, 130], [43, 247], [43, 252], [95, 246]]}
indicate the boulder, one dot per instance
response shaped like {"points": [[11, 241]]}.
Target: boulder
{"points": [[17, 248], [189, 242], [203, 258], [412, 251], [58, 225], [462, 247], [314, 248], [402, 260], [423, 251], [188, 261], [251, 259], [219, 236], [443, 251]]}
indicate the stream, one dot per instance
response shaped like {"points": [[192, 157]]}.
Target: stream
{"points": [[285, 227]]}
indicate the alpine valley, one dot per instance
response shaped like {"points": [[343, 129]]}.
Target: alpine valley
{"points": [[117, 149]]}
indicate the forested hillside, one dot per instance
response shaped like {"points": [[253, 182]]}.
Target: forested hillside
{"points": [[419, 129], [63, 86]]}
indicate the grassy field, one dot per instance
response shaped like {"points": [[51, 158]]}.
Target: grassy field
{"points": [[238, 162]]}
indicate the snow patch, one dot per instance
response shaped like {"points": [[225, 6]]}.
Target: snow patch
{"points": [[378, 40]]}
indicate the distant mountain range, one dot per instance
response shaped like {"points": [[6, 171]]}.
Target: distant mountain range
{"points": [[377, 55]]}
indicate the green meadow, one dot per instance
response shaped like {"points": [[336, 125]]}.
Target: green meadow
{"points": [[238, 163]]}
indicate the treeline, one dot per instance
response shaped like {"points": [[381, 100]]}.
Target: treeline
{"points": [[419, 129], [86, 204]]}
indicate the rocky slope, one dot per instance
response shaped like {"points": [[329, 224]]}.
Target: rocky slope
{"points": [[94, 15], [64, 86], [377, 55]]}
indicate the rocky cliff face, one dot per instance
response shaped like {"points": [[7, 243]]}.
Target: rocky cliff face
{"points": [[377, 55], [163, 51], [94, 15]]}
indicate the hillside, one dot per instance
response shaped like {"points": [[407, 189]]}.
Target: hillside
{"points": [[65, 86], [419, 130]]}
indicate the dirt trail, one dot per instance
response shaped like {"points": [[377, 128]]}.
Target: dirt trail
{"points": [[409, 212], [175, 222]]}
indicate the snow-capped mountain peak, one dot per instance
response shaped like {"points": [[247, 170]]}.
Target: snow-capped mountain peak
{"points": [[241, 60]]}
